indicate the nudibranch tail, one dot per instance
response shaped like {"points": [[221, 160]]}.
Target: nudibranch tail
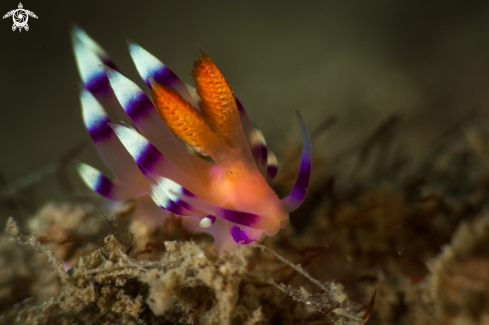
{"points": [[185, 121], [294, 200]]}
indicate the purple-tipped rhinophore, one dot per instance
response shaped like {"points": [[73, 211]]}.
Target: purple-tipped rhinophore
{"points": [[294, 200]]}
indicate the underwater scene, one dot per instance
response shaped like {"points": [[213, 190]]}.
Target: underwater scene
{"points": [[244, 162]]}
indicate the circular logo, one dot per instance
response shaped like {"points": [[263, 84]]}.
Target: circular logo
{"points": [[20, 18]]}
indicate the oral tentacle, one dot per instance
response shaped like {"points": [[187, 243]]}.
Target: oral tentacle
{"points": [[296, 197]]}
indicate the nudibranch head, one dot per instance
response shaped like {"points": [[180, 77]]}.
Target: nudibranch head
{"points": [[228, 195]]}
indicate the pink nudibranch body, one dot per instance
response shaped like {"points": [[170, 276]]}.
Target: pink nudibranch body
{"points": [[229, 197]]}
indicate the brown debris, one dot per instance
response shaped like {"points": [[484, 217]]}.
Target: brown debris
{"points": [[399, 239]]}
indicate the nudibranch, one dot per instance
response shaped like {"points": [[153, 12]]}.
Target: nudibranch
{"points": [[157, 155]]}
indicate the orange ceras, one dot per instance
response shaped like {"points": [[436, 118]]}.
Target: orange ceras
{"points": [[217, 98], [181, 117]]}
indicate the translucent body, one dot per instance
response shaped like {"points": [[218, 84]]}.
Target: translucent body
{"points": [[229, 197]]}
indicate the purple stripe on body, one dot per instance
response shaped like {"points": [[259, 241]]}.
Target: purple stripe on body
{"points": [[138, 107], [294, 200], [104, 186], [240, 236], [99, 85], [164, 77], [100, 130]]}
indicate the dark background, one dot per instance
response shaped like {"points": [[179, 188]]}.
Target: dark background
{"points": [[427, 61]]}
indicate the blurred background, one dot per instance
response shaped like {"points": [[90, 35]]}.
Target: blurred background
{"points": [[426, 62]]}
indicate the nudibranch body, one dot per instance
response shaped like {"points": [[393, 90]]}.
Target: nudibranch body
{"points": [[227, 195]]}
